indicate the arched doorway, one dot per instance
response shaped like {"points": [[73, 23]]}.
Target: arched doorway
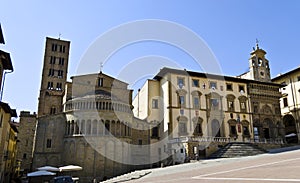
{"points": [[215, 128], [267, 130], [290, 129]]}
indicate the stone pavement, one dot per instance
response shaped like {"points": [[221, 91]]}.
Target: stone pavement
{"points": [[280, 165]]}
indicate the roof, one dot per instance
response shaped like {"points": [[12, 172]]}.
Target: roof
{"points": [[98, 74], [7, 109], [166, 70], [286, 74], [6, 61], [1, 36], [14, 127]]}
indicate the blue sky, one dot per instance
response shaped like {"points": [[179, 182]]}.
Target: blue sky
{"points": [[229, 28]]}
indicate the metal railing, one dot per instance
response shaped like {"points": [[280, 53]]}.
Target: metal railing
{"points": [[225, 140]]}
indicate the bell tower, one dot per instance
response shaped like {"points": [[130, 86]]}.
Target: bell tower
{"points": [[54, 76], [259, 65]]}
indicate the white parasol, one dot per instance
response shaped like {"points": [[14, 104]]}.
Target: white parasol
{"points": [[70, 168], [40, 173], [49, 168]]}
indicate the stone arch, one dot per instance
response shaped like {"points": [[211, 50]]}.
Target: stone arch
{"points": [[266, 109], [198, 129], [290, 128], [245, 128], [267, 127], [232, 127]]}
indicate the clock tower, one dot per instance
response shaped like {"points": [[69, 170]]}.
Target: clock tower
{"points": [[259, 65]]}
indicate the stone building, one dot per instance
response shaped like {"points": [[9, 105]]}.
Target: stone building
{"points": [[54, 76], [26, 128], [7, 140], [265, 95], [87, 122], [196, 112], [290, 103]]}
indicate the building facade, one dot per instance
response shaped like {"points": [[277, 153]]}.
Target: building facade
{"points": [[7, 135], [89, 123], [290, 103], [26, 135], [196, 112], [54, 76]]}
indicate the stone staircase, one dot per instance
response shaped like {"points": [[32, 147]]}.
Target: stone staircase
{"points": [[238, 149], [129, 176]]}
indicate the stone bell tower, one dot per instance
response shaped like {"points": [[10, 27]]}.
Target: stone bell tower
{"points": [[54, 76], [259, 65]]}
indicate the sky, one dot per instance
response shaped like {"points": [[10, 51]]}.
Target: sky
{"points": [[228, 27]]}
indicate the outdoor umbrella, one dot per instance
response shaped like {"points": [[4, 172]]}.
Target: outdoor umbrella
{"points": [[70, 168], [40, 173], [49, 168]]}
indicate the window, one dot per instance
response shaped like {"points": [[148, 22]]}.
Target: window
{"points": [[198, 129], [52, 110], [243, 106], [48, 145], [61, 61], [180, 82], [241, 88], [246, 131], [154, 103], [213, 85], [214, 103], [154, 132], [181, 100], [52, 60], [107, 126], [24, 156], [140, 142], [100, 82], [196, 103], [231, 105], [51, 72], [298, 78], [195, 82], [50, 85], [60, 73], [58, 86], [54, 47], [181, 151], [63, 49], [255, 109], [229, 87], [285, 102]]}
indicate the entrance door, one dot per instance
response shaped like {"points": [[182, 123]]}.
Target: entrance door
{"points": [[266, 133], [202, 154]]}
